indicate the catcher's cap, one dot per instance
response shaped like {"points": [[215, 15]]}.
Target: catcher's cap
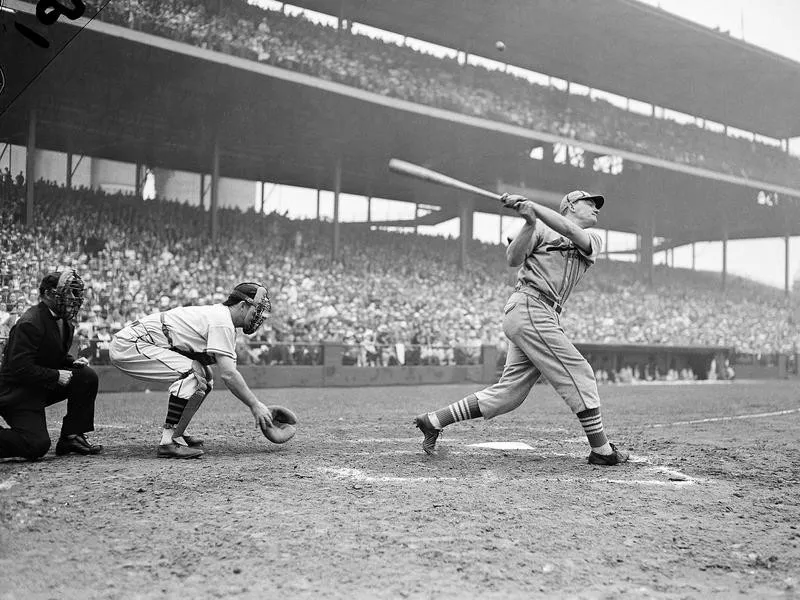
{"points": [[576, 195], [248, 289]]}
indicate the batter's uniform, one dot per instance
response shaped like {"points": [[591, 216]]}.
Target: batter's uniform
{"points": [[538, 346], [163, 346]]}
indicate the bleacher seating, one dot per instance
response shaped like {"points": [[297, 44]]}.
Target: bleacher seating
{"points": [[137, 257]]}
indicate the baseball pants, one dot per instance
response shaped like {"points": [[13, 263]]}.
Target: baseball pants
{"points": [[538, 347], [23, 409], [138, 353]]}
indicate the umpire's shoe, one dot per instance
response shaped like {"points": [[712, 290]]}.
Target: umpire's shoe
{"points": [[609, 460], [174, 450], [429, 431], [76, 444]]}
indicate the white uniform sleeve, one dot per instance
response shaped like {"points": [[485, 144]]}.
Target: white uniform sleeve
{"points": [[222, 340], [597, 247], [221, 336]]}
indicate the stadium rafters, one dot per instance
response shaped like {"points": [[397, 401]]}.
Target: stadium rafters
{"points": [[624, 47]]}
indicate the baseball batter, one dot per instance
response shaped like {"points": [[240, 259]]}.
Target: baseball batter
{"points": [[553, 251], [177, 346]]}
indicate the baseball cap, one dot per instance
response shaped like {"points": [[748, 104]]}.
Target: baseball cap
{"points": [[576, 195]]}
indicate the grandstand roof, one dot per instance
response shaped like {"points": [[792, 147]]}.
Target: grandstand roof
{"points": [[620, 46], [124, 95]]}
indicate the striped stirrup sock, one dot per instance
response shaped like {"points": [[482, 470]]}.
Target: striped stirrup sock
{"points": [[592, 424], [464, 409], [175, 410], [192, 405]]}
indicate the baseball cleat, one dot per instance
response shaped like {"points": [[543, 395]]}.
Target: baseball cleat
{"points": [[609, 460], [429, 431], [192, 442], [174, 450]]}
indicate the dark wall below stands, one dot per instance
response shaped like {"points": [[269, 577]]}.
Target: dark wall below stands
{"points": [[112, 380], [333, 374]]}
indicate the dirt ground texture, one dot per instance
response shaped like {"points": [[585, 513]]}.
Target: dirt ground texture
{"points": [[352, 508]]}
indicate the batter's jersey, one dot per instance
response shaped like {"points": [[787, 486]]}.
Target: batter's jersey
{"points": [[554, 264], [196, 328]]}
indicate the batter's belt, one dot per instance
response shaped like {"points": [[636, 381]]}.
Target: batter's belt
{"points": [[534, 293]]}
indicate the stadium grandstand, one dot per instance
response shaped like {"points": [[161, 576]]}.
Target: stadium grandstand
{"points": [[197, 105]]}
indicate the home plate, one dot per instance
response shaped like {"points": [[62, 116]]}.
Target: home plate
{"points": [[503, 446]]}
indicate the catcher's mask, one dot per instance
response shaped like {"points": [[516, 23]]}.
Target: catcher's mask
{"points": [[68, 295], [259, 305]]}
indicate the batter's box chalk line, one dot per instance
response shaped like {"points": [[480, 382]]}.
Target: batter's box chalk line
{"points": [[361, 476], [502, 446], [377, 440], [674, 477]]}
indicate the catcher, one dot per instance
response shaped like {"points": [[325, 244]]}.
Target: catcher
{"points": [[179, 345]]}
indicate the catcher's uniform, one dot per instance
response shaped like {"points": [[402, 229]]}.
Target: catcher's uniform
{"points": [[162, 347], [537, 343]]}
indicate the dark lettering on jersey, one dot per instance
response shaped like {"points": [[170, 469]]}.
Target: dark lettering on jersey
{"points": [[562, 244]]}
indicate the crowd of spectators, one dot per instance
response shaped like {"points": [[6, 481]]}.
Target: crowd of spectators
{"points": [[293, 42], [394, 298]]}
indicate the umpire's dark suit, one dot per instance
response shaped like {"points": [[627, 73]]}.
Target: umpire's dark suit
{"points": [[29, 382]]}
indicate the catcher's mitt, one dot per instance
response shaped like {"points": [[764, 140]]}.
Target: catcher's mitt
{"points": [[283, 425]]}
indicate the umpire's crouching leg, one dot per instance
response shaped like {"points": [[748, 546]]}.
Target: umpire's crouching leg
{"points": [[28, 437], [81, 394]]}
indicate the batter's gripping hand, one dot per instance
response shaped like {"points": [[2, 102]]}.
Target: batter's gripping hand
{"points": [[512, 201], [283, 427], [521, 205]]}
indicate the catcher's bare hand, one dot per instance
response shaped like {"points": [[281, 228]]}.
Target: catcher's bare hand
{"points": [[201, 374], [263, 416], [80, 362]]}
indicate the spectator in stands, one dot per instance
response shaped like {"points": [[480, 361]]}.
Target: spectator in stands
{"points": [[127, 280]]}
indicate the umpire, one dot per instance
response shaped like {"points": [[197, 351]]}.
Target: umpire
{"points": [[37, 371]]}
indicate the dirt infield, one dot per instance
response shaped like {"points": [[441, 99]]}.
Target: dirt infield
{"points": [[352, 508]]}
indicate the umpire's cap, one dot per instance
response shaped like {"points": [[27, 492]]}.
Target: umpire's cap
{"points": [[573, 197]]}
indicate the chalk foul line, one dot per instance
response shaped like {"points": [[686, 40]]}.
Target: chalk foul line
{"points": [[731, 418]]}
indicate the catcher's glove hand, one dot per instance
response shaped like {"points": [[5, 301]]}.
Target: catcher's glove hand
{"points": [[283, 425]]}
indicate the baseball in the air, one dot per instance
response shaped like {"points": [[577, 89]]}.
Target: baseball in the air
{"points": [[500, 46]]}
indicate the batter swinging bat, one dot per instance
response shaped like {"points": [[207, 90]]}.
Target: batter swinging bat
{"points": [[406, 168]]}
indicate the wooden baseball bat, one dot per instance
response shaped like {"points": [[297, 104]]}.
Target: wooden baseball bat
{"points": [[406, 168]]}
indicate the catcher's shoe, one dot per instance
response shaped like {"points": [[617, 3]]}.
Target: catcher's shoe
{"points": [[429, 431], [174, 450], [609, 460], [193, 442]]}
